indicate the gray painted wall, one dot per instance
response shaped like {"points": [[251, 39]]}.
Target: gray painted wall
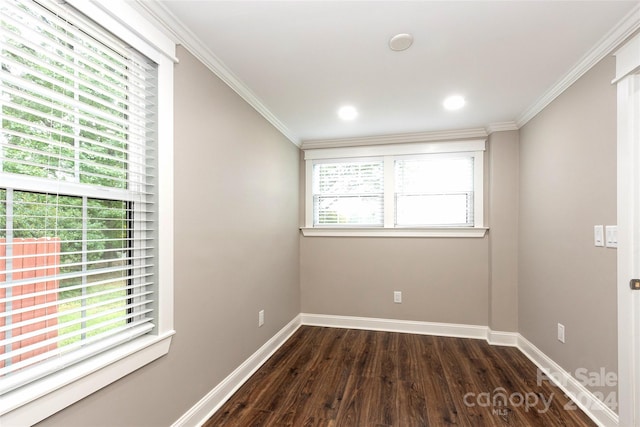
{"points": [[547, 185], [568, 185], [503, 182], [442, 280], [236, 252], [466, 281]]}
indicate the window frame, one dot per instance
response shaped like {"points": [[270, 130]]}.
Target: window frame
{"points": [[389, 153], [42, 398]]}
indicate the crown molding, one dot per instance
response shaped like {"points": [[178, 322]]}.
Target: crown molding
{"points": [[400, 138], [181, 34], [501, 127], [625, 28], [177, 31]]}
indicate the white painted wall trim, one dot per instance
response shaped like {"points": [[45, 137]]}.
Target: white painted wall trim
{"points": [[412, 327], [441, 232], [184, 36], [209, 404], [394, 325], [509, 339], [173, 27], [399, 138], [628, 111], [439, 147], [577, 392], [501, 127], [583, 398], [34, 402], [625, 28], [471, 148]]}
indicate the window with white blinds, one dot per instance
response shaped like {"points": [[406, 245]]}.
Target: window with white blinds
{"points": [[77, 193], [396, 190], [436, 190], [348, 193]]}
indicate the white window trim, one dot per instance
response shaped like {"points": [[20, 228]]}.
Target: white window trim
{"points": [[394, 232], [475, 147], [42, 398]]}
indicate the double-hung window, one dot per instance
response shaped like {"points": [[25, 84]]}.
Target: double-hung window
{"points": [[80, 242], [422, 189], [349, 192], [434, 190]]}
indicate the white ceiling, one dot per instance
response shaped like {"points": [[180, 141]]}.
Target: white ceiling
{"points": [[299, 61]]}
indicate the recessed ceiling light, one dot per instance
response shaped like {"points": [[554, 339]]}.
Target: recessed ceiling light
{"points": [[348, 112], [454, 102], [401, 42]]}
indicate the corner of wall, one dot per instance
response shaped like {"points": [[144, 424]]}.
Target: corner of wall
{"points": [[503, 177]]}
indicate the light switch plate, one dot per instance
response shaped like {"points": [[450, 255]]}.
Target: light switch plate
{"points": [[598, 235], [611, 236]]}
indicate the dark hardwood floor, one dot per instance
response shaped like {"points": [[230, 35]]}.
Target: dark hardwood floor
{"points": [[346, 377]]}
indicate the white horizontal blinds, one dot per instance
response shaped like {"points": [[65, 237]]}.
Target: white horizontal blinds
{"points": [[67, 99], [436, 190], [348, 193], [76, 270]]}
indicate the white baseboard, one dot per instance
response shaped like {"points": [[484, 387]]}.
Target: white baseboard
{"points": [[413, 327], [393, 325], [509, 339], [208, 405], [583, 398], [600, 413]]}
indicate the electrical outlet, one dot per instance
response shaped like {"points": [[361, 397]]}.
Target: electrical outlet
{"points": [[260, 318], [561, 332], [397, 297]]}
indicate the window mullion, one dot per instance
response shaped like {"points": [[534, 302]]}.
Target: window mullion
{"points": [[478, 187], [83, 301], [8, 264], [309, 193], [2, 114], [389, 192]]}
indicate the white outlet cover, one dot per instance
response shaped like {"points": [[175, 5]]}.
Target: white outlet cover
{"points": [[260, 318], [397, 297], [561, 332]]}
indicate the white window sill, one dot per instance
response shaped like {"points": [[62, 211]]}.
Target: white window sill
{"points": [[42, 398], [394, 232]]}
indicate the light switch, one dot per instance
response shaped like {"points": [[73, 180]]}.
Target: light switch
{"points": [[598, 235], [611, 235]]}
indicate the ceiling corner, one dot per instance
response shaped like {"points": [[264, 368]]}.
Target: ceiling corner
{"points": [[501, 127], [181, 34], [627, 26]]}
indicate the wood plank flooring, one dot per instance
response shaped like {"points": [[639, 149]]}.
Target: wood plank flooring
{"points": [[351, 378]]}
